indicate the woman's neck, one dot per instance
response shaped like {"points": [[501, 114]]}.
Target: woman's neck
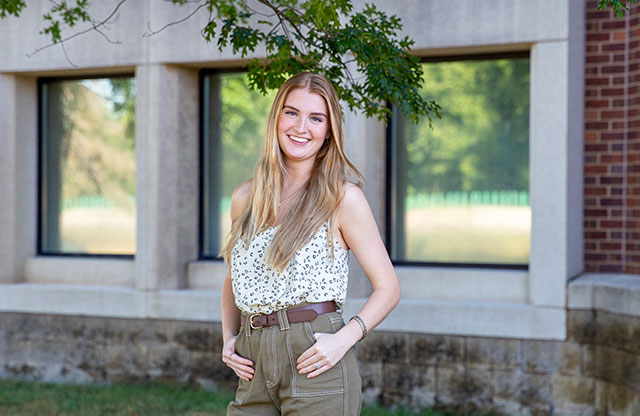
{"points": [[297, 174]]}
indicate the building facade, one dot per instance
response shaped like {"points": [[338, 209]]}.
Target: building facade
{"points": [[555, 333]]}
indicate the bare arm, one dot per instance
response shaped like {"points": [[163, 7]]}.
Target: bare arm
{"points": [[230, 313], [360, 232]]}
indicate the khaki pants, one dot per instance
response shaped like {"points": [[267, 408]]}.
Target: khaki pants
{"points": [[278, 389]]}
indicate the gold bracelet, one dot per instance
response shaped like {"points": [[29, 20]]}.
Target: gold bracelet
{"points": [[362, 326]]}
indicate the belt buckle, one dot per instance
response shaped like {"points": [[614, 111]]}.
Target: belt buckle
{"points": [[251, 321]]}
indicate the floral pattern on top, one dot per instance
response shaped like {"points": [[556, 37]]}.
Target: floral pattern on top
{"points": [[311, 276]]}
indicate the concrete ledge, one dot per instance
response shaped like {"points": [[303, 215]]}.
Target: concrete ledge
{"points": [[484, 285], [485, 319], [616, 293], [192, 305], [107, 301], [509, 320], [80, 271], [119, 302]]}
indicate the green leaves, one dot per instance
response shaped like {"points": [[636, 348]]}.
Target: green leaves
{"points": [[66, 12], [358, 50], [619, 6], [361, 51], [11, 7]]}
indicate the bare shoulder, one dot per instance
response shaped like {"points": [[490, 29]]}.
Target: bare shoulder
{"points": [[240, 198], [354, 203], [353, 197]]}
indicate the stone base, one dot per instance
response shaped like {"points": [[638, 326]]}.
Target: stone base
{"points": [[595, 372]]}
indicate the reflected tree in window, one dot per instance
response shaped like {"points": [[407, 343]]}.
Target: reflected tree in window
{"points": [[88, 166], [461, 188], [234, 128]]}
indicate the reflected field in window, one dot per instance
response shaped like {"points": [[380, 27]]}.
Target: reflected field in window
{"points": [[88, 166], [460, 234], [460, 190]]}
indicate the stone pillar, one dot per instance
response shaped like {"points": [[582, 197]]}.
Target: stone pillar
{"points": [[365, 145], [18, 174], [556, 164], [167, 145]]}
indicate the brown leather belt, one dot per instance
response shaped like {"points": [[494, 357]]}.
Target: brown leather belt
{"points": [[304, 313]]}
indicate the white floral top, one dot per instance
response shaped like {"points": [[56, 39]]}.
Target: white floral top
{"points": [[311, 276]]}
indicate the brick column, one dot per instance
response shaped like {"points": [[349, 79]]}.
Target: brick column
{"points": [[612, 145]]}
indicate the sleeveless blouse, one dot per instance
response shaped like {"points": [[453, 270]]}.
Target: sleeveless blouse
{"points": [[310, 276]]}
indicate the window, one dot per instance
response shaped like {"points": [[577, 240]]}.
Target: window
{"points": [[234, 121], [87, 166], [460, 191]]}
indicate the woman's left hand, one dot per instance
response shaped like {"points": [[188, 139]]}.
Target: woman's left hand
{"points": [[323, 355]]}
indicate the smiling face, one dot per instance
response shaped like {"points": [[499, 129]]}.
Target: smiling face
{"points": [[303, 125]]}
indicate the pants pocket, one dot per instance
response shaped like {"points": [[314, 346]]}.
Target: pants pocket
{"points": [[301, 338], [243, 349]]}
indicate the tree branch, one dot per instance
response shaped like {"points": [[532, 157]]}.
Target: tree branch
{"points": [[154, 32], [322, 47], [64, 50], [82, 32]]}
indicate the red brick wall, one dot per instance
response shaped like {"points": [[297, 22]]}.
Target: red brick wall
{"points": [[612, 142]]}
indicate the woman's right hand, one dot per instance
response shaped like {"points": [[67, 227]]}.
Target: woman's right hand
{"points": [[240, 365]]}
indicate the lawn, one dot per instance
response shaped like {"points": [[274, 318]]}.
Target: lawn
{"points": [[19, 398]]}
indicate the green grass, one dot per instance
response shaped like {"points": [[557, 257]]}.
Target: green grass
{"points": [[20, 398], [45, 399]]}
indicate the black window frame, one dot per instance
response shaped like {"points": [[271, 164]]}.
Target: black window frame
{"points": [[203, 73], [390, 190], [40, 156]]}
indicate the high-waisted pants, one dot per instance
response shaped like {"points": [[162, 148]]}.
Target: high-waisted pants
{"points": [[278, 389]]}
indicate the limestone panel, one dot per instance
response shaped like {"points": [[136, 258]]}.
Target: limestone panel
{"points": [[462, 390], [581, 326], [126, 363], [618, 331], [614, 366], [534, 394], [405, 377], [432, 349], [548, 357], [573, 394], [85, 361], [384, 347], [492, 353], [169, 363], [194, 336], [623, 401], [371, 374]]}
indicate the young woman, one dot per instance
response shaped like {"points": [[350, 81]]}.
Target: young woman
{"points": [[293, 224]]}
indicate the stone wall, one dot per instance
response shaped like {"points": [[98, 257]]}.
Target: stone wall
{"points": [[64, 348], [595, 372]]}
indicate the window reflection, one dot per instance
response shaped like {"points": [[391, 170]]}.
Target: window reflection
{"points": [[233, 132], [88, 166], [461, 190]]}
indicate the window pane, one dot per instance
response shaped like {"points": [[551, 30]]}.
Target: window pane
{"points": [[461, 189], [88, 166], [234, 124]]}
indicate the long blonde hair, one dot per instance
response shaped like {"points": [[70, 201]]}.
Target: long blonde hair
{"points": [[320, 197]]}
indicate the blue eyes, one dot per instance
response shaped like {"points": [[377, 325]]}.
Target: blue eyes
{"points": [[292, 114]]}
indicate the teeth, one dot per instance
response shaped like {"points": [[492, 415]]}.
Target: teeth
{"points": [[299, 139]]}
